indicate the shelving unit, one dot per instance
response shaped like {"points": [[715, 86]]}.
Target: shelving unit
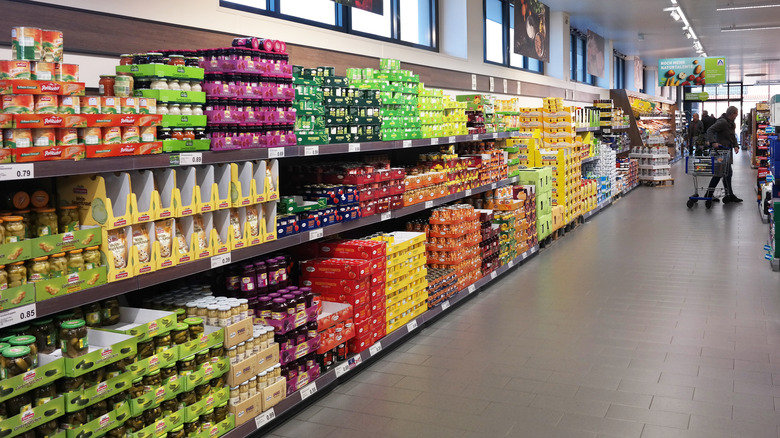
{"points": [[623, 98]]}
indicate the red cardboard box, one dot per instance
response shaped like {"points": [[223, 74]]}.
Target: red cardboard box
{"points": [[377, 266], [378, 306], [354, 249], [362, 313], [378, 318], [360, 343], [378, 280], [357, 300], [337, 285], [350, 269], [363, 327], [332, 313]]}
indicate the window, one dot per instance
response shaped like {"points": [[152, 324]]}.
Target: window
{"points": [[500, 36], [408, 22], [620, 71], [578, 56]]}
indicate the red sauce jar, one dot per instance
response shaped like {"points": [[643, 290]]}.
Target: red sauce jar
{"points": [[176, 60]]}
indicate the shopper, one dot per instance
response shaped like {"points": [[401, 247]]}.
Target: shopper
{"points": [[707, 119], [722, 135], [695, 133]]}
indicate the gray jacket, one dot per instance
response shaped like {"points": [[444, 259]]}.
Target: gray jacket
{"points": [[722, 132]]}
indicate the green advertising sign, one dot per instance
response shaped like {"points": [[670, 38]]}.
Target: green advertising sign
{"points": [[674, 72], [703, 96]]}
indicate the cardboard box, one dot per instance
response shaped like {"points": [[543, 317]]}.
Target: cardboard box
{"points": [[77, 400], [33, 418], [206, 372], [337, 286], [217, 397], [238, 332], [104, 200], [153, 363], [353, 249], [332, 313], [300, 350], [160, 427], [211, 337], [355, 299], [49, 369], [218, 430], [155, 396], [267, 358], [143, 323], [348, 269], [100, 426], [104, 348], [242, 371], [248, 409], [273, 394]]}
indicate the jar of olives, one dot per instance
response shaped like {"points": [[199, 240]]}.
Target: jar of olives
{"points": [[195, 326], [93, 315], [92, 257], [145, 349], [45, 222], [76, 261], [14, 229], [29, 342], [162, 342], [180, 333], [186, 366], [58, 265], [17, 274], [68, 218], [16, 361], [45, 335], [38, 269], [73, 338]]}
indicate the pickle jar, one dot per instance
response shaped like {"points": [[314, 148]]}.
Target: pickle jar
{"points": [[110, 309], [195, 327], [220, 412], [68, 218], [73, 420], [44, 394], [168, 372], [46, 429], [92, 378], [46, 222], [92, 257], [186, 366], [135, 424], [116, 401], [117, 432], [207, 420], [38, 269], [218, 382], [202, 391], [217, 351], [152, 380], [29, 342], [137, 388], [93, 315], [73, 338], [58, 265], [146, 349], [152, 415], [3, 278], [191, 428], [15, 229], [17, 274], [187, 398], [202, 357], [162, 342], [181, 314], [76, 261], [45, 335], [177, 432], [180, 333], [114, 370], [16, 361], [70, 384], [97, 410], [21, 403]]}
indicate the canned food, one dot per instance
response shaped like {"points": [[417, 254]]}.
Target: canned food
{"points": [[89, 104], [109, 104], [44, 137], [51, 42], [46, 104], [26, 43], [128, 105], [15, 70], [112, 135], [131, 134], [147, 105], [18, 104], [17, 138], [42, 71], [91, 136], [69, 105], [148, 134], [67, 73], [67, 136]]}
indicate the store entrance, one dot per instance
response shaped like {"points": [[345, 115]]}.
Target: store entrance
{"points": [[721, 97]]}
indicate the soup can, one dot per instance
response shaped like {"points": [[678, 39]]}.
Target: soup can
{"points": [[52, 45], [46, 104], [112, 135], [26, 43], [15, 70], [109, 105], [17, 138], [89, 104], [91, 136], [67, 73], [43, 71], [67, 136], [44, 137], [70, 105], [18, 104], [131, 134]]}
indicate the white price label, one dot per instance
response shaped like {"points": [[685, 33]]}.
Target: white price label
{"points": [[506, 87], [493, 186], [495, 135], [342, 369], [315, 234], [468, 192], [308, 390], [473, 82], [511, 264], [445, 305], [451, 139], [607, 131], [374, 349], [308, 151], [276, 153], [428, 204], [434, 141], [472, 289], [518, 87], [17, 171], [525, 255], [475, 137], [492, 84], [263, 419], [17, 315], [191, 159], [386, 216], [221, 260], [354, 147], [411, 326], [407, 144], [493, 275], [515, 133]]}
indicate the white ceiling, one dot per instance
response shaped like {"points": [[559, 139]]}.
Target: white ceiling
{"points": [[623, 20]]}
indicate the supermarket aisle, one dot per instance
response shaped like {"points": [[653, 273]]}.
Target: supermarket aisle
{"points": [[651, 320]]}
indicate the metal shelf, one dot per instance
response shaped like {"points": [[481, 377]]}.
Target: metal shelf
{"points": [[640, 118], [590, 159]]}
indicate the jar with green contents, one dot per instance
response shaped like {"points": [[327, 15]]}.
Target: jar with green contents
{"points": [[134, 424], [93, 316], [73, 420], [118, 432], [202, 391], [206, 420], [17, 274], [110, 311], [14, 229], [29, 342], [19, 330], [76, 261], [3, 278], [73, 338], [58, 265], [169, 406], [116, 401], [145, 349], [152, 415], [186, 366], [68, 218], [46, 429], [70, 384], [217, 352], [168, 372], [97, 410], [44, 394], [92, 257], [45, 335], [152, 380], [162, 342], [21, 403], [218, 382], [27, 221], [137, 388], [181, 314], [191, 428], [46, 222], [180, 333], [2, 231], [220, 412], [202, 357], [177, 432], [92, 378], [188, 398], [38, 269], [195, 326], [113, 370], [16, 361]]}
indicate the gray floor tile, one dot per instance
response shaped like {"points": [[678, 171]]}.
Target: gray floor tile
{"points": [[610, 426], [647, 416]]}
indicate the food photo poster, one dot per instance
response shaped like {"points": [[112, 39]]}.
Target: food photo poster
{"points": [[532, 39]]}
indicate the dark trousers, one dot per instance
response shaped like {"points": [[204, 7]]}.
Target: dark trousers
{"points": [[726, 183]]}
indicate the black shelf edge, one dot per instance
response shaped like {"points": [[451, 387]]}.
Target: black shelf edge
{"points": [[590, 159]]}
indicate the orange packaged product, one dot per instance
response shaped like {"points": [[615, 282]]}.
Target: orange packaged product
{"points": [[91, 136], [67, 136], [89, 104], [44, 137], [67, 73], [46, 104], [18, 104], [112, 135], [69, 105], [42, 71], [109, 105], [128, 105], [15, 70], [131, 134], [17, 138]]}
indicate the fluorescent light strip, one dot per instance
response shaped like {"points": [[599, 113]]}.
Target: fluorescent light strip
{"points": [[739, 8], [678, 15], [745, 29]]}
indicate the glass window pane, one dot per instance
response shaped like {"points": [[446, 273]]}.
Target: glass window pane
{"points": [[321, 11], [535, 65], [581, 60], [257, 4], [573, 59], [416, 21], [375, 24], [494, 42]]}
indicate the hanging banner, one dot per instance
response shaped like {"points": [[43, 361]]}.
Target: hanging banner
{"points": [[639, 77], [673, 72], [375, 6], [595, 51], [532, 18], [696, 97]]}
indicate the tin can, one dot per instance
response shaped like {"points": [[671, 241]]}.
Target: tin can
{"points": [[89, 104], [109, 104], [91, 136], [147, 105], [148, 134], [44, 137], [67, 73], [18, 104], [17, 138], [46, 104], [128, 105], [51, 42], [131, 134], [15, 70], [112, 135], [70, 105], [67, 136], [26, 43], [43, 71]]}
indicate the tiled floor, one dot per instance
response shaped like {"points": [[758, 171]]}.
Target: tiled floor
{"points": [[652, 320]]}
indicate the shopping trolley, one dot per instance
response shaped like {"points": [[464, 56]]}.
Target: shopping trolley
{"points": [[706, 164]]}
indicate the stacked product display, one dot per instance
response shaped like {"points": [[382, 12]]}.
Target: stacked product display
{"points": [[653, 160], [507, 114], [479, 108], [406, 285], [541, 179], [627, 175], [454, 239]]}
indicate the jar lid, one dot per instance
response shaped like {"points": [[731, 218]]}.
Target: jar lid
{"points": [[263, 373], [181, 326], [73, 323], [153, 373], [213, 307], [3, 346], [279, 300], [235, 387], [40, 198], [44, 210], [41, 321], [16, 352], [59, 254], [93, 248], [76, 251], [41, 259], [193, 321], [17, 264], [179, 311], [220, 345], [224, 308], [107, 76], [243, 301], [138, 380], [22, 340], [12, 218], [189, 358], [68, 207]]}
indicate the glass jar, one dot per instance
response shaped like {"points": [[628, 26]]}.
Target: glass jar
{"points": [[68, 219], [116, 401], [15, 229], [2, 231], [92, 378], [262, 380], [76, 261], [188, 398], [159, 84], [253, 387], [213, 315], [185, 85], [45, 430], [73, 420], [3, 278], [197, 110], [195, 327], [191, 428], [135, 424], [235, 398], [162, 342], [181, 314], [16, 361], [38, 269], [113, 370], [225, 316], [217, 352], [202, 357], [196, 86], [243, 392], [218, 382], [17, 274], [92, 257], [165, 133], [173, 84], [243, 306], [155, 58], [168, 372], [106, 85], [73, 338], [169, 406], [186, 366], [145, 349], [152, 415], [109, 309], [69, 384], [177, 432], [58, 265], [180, 333], [97, 410], [174, 109], [46, 222], [241, 351], [176, 60], [206, 420], [93, 315], [29, 342], [125, 59], [117, 432], [152, 380], [202, 391], [45, 335]]}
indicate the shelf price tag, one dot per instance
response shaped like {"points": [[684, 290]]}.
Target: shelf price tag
{"points": [[308, 390], [263, 419], [493, 275], [411, 326], [406, 144], [515, 133], [191, 159], [221, 260], [451, 139], [17, 171], [434, 141], [475, 137], [374, 349], [276, 153], [468, 192], [472, 289], [495, 135], [428, 204], [342, 369], [492, 84], [354, 147], [607, 131], [445, 305], [511, 264], [525, 255], [386, 216], [506, 87], [493, 186], [17, 315], [316, 234], [309, 151]]}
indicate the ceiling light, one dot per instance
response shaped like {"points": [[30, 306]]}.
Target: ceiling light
{"points": [[674, 2], [738, 8], [688, 35], [676, 15], [745, 29]]}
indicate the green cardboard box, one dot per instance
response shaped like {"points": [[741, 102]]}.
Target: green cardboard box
{"points": [[206, 372], [161, 427], [173, 121], [15, 252], [49, 369], [105, 348], [173, 96], [216, 398], [162, 71], [150, 364], [100, 426], [70, 283], [186, 145], [77, 400], [143, 324], [211, 337], [219, 429], [17, 296], [56, 243], [154, 397], [28, 420]]}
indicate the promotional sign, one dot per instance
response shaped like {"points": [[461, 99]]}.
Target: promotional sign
{"points": [[697, 97], [595, 51], [639, 79], [675, 72], [532, 18], [375, 6]]}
